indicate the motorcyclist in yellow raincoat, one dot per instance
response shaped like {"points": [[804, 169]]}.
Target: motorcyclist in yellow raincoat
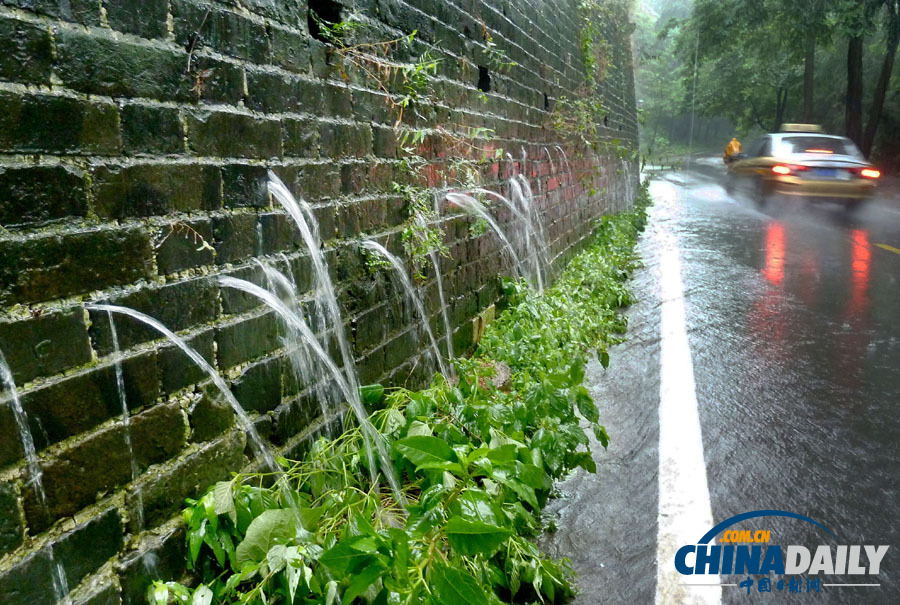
{"points": [[733, 148]]}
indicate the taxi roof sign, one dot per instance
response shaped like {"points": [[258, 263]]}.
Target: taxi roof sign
{"points": [[801, 128]]}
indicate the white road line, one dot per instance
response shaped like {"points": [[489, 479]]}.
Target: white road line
{"points": [[685, 513]]}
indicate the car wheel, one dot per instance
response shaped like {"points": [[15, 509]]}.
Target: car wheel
{"points": [[761, 193], [729, 183], [851, 207]]}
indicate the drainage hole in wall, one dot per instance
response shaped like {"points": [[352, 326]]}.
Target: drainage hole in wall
{"points": [[484, 79], [322, 12]]}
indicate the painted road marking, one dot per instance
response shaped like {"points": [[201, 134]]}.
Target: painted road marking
{"points": [[889, 248], [685, 513]]}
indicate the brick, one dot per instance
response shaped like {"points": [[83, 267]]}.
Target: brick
{"points": [[273, 92], [12, 526], [384, 142], [293, 418], [289, 12], [151, 130], [78, 475], [28, 581], [10, 448], [107, 594], [319, 181], [26, 52], [186, 244], [223, 31], [210, 415], [78, 11], [67, 407], [38, 123], [371, 366], [345, 140], [37, 194], [90, 63], [399, 349], [234, 301], [236, 237], [245, 186], [246, 339], [176, 369], [164, 492], [368, 330], [258, 388], [279, 233], [87, 547], [290, 50], [46, 344], [165, 554], [215, 81], [146, 18], [177, 306], [55, 265], [226, 134], [299, 138], [337, 103]]}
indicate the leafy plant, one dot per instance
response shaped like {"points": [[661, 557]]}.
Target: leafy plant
{"points": [[477, 463]]}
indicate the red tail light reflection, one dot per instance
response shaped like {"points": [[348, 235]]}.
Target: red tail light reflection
{"points": [[775, 247]]}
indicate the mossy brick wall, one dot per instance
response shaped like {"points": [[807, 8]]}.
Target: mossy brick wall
{"points": [[123, 123]]}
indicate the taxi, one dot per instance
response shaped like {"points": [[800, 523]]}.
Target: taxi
{"points": [[802, 162]]}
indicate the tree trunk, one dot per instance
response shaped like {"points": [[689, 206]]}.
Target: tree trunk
{"points": [[853, 108], [884, 80], [809, 75], [780, 106]]}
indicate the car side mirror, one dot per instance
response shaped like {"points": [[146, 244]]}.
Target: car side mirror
{"points": [[740, 156]]}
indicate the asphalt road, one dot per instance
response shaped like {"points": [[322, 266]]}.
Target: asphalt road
{"points": [[762, 371]]}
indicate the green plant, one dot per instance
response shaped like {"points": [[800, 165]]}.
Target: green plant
{"points": [[497, 57], [477, 460]]}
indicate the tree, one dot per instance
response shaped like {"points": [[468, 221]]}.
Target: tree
{"points": [[892, 40]]}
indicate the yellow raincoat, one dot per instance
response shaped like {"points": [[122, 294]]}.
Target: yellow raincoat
{"points": [[733, 148]]}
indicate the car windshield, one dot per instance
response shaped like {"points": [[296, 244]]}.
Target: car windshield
{"points": [[816, 145]]}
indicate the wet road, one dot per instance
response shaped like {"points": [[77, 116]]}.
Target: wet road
{"points": [[782, 394]]}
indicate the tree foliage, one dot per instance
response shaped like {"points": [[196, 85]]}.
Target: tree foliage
{"points": [[760, 63]]}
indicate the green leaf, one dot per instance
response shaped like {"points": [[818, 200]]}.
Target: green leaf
{"points": [[586, 404], [371, 394], [419, 429], [347, 554], [576, 371], [474, 537], [276, 558], [361, 580], [224, 500], [426, 452], [601, 435], [604, 358], [309, 517], [453, 587], [400, 558], [583, 459], [270, 528], [202, 596]]}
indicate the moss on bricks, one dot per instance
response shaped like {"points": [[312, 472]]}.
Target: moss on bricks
{"points": [[57, 265], [26, 52], [40, 123], [154, 189], [163, 493], [12, 525], [46, 344], [76, 476], [37, 194]]}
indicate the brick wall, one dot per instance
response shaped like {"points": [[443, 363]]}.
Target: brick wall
{"points": [[128, 129]]}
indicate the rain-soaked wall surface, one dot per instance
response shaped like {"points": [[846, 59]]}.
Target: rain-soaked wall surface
{"points": [[135, 139]]}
